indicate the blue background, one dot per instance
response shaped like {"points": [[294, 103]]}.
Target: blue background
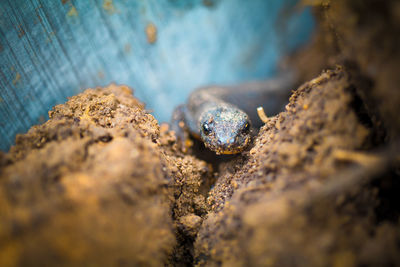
{"points": [[50, 50]]}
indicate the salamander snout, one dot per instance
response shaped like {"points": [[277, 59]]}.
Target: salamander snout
{"points": [[225, 130]]}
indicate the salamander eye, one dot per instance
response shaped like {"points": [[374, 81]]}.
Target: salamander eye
{"points": [[206, 128], [246, 128]]}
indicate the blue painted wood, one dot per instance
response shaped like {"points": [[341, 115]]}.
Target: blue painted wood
{"points": [[50, 50]]}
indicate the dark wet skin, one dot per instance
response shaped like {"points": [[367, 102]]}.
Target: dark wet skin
{"points": [[225, 117]]}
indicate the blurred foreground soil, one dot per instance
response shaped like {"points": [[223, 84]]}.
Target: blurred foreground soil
{"points": [[101, 183]]}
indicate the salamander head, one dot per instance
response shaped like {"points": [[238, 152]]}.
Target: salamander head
{"points": [[225, 130]]}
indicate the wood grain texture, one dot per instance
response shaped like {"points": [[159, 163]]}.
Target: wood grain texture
{"points": [[50, 50]]}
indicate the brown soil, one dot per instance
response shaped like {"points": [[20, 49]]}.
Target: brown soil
{"points": [[295, 200], [101, 183], [98, 184]]}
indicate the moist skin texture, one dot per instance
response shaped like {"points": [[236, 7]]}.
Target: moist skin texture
{"points": [[223, 117]]}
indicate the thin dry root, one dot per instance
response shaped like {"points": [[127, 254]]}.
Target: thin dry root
{"points": [[358, 157], [261, 114]]}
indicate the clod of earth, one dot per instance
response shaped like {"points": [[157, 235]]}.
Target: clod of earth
{"points": [[101, 183]]}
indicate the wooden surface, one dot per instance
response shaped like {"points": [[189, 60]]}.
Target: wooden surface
{"points": [[50, 50]]}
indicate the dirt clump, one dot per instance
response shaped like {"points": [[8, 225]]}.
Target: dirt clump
{"points": [[294, 201], [363, 36], [96, 184], [102, 183]]}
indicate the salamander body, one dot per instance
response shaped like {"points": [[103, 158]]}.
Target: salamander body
{"points": [[225, 117]]}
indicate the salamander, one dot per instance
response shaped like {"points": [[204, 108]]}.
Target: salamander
{"points": [[225, 117]]}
